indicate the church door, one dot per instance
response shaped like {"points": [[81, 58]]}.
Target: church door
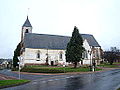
{"points": [[52, 63]]}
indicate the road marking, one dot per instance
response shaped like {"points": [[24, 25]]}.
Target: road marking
{"points": [[71, 76], [34, 83], [67, 77], [50, 80], [57, 79], [43, 81]]}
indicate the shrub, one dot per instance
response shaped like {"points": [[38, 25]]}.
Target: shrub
{"points": [[15, 69], [41, 70]]}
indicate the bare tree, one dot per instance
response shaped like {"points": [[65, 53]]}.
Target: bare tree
{"points": [[113, 55]]}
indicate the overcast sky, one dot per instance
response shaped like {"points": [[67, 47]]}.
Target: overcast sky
{"points": [[98, 17]]}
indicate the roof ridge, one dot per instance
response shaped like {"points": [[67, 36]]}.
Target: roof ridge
{"points": [[55, 35], [48, 34], [87, 34]]}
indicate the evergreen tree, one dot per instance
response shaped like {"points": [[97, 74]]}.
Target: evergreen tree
{"points": [[75, 48], [16, 54]]}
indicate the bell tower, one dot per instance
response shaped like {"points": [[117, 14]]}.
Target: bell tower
{"points": [[26, 28]]}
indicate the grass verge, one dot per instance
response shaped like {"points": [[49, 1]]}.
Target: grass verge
{"points": [[10, 83], [118, 89], [39, 69], [109, 66]]}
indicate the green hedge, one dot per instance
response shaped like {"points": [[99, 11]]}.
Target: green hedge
{"points": [[41, 70], [15, 69]]}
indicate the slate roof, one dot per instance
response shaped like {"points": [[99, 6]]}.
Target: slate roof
{"points": [[27, 23], [45, 41], [1, 61], [91, 40]]}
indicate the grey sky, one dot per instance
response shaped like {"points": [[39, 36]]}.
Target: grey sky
{"points": [[98, 17]]}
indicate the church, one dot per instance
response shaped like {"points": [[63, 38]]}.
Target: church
{"points": [[41, 49]]}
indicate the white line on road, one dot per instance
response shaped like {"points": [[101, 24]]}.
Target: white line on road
{"points": [[50, 80], [71, 76], [57, 79], [54, 79], [43, 81], [67, 77], [34, 83]]}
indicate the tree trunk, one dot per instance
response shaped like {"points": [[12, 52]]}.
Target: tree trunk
{"points": [[111, 63], [75, 64]]}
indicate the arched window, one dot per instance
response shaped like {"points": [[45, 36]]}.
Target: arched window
{"points": [[38, 54], [97, 53], [26, 31], [85, 55], [61, 55]]}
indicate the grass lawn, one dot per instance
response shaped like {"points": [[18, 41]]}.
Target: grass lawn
{"points": [[46, 69], [8, 83], [115, 65], [118, 89]]}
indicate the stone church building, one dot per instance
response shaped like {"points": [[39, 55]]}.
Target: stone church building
{"points": [[50, 49]]}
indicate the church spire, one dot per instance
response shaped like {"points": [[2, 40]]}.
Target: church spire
{"points": [[27, 23], [26, 28]]}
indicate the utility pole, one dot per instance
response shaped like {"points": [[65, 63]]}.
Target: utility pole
{"points": [[19, 58]]}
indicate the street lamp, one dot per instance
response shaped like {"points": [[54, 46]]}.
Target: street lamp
{"points": [[64, 66], [19, 58], [92, 66], [93, 59], [90, 52]]}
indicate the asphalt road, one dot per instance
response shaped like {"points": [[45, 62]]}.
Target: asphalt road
{"points": [[108, 80]]}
